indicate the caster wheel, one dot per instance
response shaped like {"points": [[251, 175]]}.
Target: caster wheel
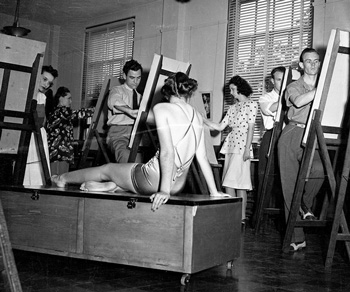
{"points": [[185, 279], [229, 265]]}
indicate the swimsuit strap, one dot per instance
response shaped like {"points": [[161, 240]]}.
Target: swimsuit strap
{"points": [[190, 126]]}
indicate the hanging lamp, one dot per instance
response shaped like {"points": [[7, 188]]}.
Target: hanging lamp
{"points": [[15, 29]]}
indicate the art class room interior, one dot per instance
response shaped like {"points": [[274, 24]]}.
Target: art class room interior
{"points": [[174, 145]]}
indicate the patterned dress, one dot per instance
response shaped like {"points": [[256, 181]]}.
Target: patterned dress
{"points": [[236, 172], [59, 129]]}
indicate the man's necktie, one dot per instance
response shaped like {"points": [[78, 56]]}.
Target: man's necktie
{"points": [[134, 100]]}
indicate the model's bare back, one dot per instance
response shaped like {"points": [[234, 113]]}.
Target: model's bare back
{"points": [[179, 119]]}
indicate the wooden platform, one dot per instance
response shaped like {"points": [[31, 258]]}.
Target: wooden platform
{"points": [[188, 234]]}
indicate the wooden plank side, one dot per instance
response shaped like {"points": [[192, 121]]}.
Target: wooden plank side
{"points": [[216, 235], [47, 222], [136, 236]]}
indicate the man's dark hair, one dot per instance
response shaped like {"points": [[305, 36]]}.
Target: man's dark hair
{"points": [[132, 65], [61, 92], [277, 69], [307, 50], [51, 70]]}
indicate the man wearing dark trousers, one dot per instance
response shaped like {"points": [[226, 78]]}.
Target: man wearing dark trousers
{"points": [[123, 102], [299, 97]]}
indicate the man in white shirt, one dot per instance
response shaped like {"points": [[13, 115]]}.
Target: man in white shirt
{"points": [[123, 102], [268, 106]]}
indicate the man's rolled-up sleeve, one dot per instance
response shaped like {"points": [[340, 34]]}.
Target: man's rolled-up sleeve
{"points": [[115, 98]]}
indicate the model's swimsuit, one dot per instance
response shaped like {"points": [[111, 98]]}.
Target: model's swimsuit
{"points": [[146, 177]]}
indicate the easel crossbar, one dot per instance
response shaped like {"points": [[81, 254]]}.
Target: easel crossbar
{"points": [[15, 67]]}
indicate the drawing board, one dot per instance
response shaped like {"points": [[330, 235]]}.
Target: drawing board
{"points": [[161, 68], [333, 85], [197, 102], [113, 81], [17, 51], [289, 76]]}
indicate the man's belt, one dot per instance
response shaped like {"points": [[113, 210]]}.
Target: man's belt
{"points": [[300, 125]]}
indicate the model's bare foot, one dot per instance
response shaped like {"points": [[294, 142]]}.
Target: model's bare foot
{"points": [[220, 194], [94, 186], [58, 181]]}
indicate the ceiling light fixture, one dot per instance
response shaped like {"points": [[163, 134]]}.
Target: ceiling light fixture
{"points": [[15, 29]]}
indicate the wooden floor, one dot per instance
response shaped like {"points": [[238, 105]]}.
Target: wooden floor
{"points": [[262, 267]]}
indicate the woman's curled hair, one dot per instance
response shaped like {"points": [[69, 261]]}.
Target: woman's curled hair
{"points": [[179, 84], [61, 92], [243, 86]]}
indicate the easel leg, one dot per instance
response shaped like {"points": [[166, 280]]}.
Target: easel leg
{"points": [[8, 267], [339, 217]]}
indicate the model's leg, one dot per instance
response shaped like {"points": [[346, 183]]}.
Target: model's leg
{"points": [[120, 174]]}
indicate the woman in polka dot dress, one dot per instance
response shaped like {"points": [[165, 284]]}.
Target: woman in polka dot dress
{"points": [[237, 146]]}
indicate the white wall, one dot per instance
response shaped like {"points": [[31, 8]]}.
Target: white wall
{"points": [[193, 32], [329, 15]]}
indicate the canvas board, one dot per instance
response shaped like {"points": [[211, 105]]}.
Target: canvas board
{"points": [[333, 86], [19, 51], [161, 68]]}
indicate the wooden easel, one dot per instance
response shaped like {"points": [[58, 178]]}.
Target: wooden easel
{"points": [[264, 194], [8, 267], [149, 99], [26, 122], [340, 230], [140, 126], [323, 122], [316, 137], [93, 131]]}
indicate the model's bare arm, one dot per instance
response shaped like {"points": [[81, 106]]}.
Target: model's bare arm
{"points": [[166, 156]]}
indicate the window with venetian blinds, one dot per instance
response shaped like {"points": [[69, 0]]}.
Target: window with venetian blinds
{"points": [[263, 34], [107, 48]]}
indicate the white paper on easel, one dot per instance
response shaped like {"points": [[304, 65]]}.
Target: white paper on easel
{"points": [[167, 65], [19, 51], [332, 104], [197, 102]]}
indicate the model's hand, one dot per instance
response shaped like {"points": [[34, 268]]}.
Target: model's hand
{"points": [[158, 199]]}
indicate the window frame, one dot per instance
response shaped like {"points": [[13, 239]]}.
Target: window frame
{"points": [[107, 47], [257, 70]]}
